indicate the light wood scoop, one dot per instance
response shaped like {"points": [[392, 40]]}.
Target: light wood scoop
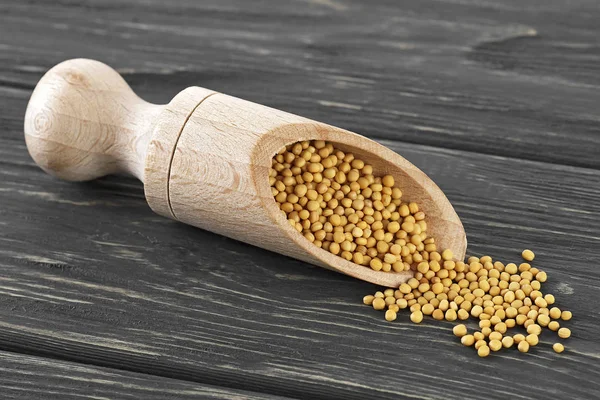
{"points": [[204, 159]]}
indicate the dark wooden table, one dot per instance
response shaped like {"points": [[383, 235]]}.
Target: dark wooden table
{"points": [[498, 101]]}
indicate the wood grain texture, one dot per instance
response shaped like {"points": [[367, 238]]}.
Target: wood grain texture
{"points": [[421, 72], [483, 90], [135, 291], [30, 378]]}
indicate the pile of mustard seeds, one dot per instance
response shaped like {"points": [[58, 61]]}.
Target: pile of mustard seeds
{"points": [[336, 202], [500, 296]]}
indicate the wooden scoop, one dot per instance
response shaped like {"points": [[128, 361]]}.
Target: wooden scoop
{"points": [[204, 159]]}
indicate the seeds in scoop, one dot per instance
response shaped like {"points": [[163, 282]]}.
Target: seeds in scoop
{"points": [[564, 333], [459, 330], [335, 201], [558, 347]]}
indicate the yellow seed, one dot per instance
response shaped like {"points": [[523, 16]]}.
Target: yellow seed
{"points": [[541, 277], [368, 300], [467, 340], [555, 313], [427, 309], [480, 343], [507, 341], [388, 181], [523, 346], [447, 255], [495, 345], [543, 320], [558, 347], [534, 329], [378, 303], [376, 264], [533, 340], [416, 317], [553, 326], [518, 338], [450, 315], [438, 314], [528, 255], [402, 303], [483, 351], [495, 336], [564, 333], [459, 330], [566, 315], [390, 315]]}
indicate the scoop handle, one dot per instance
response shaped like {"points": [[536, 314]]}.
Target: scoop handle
{"points": [[83, 122]]}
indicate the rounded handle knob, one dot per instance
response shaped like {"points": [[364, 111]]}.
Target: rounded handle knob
{"points": [[83, 121]]}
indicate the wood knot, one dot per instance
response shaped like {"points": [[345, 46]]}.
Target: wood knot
{"points": [[41, 122], [76, 78]]}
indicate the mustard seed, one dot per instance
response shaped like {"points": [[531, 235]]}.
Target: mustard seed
{"points": [[483, 351], [459, 330], [416, 317], [368, 300], [528, 255], [378, 303], [518, 338], [523, 347], [390, 315], [558, 347], [564, 333], [507, 341], [468, 340], [553, 326], [533, 340], [566, 315], [495, 345]]}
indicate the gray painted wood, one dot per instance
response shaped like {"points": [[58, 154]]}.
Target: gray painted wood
{"points": [[482, 75], [29, 377], [496, 101], [91, 274]]}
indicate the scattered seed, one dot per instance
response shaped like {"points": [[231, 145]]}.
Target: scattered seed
{"points": [[558, 347], [564, 333], [528, 255], [459, 330]]}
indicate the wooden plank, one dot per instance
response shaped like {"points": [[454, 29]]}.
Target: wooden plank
{"points": [[492, 77], [29, 377], [89, 274]]}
